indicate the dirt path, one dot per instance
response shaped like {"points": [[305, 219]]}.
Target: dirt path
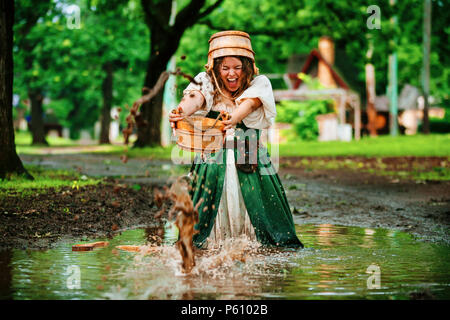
{"points": [[345, 197], [317, 196]]}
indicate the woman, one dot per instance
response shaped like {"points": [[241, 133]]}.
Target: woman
{"points": [[238, 198]]}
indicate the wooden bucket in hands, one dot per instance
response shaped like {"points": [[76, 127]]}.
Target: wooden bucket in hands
{"points": [[201, 134]]}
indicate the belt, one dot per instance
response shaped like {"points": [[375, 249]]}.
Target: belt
{"points": [[235, 145], [245, 167]]}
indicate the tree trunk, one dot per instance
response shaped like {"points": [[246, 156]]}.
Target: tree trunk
{"points": [[9, 160], [426, 63], [107, 92], [149, 131], [161, 50], [37, 121]]}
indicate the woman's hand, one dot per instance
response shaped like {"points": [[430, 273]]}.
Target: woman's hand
{"points": [[230, 123], [175, 115], [246, 107]]}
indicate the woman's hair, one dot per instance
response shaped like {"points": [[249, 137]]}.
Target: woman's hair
{"points": [[247, 72]]}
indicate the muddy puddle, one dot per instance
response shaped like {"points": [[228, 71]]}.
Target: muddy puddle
{"points": [[338, 263]]}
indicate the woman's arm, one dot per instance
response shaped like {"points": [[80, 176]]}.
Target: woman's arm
{"points": [[190, 103], [246, 107]]}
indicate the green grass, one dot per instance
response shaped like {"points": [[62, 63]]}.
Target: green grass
{"points": [[387, 146], [67, 146], [24, 139], [147, 152], [382, 146], [443, 174], [44, 179]]}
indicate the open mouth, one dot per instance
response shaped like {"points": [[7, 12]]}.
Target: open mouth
{"points": [[232, 82]]}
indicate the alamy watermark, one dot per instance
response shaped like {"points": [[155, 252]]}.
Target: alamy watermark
{"points": [[374, 280], [73, 280], [252, 148], [374, 20], [73, 17]]}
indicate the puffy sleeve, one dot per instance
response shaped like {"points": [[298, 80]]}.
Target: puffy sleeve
{"points": [[264, 116], [206, 88]]}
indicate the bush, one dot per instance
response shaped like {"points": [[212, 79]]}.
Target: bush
{"points": [[288, 111], [438, 125], [302, 114]]}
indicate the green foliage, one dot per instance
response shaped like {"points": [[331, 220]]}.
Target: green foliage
{"points": [[283, 28], [136, 187], [311, 83], [306, 125], [437, 125], [287, 111], [303, 116], [65, 65]]}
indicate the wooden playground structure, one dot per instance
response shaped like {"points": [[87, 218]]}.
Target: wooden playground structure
{"points": [[335, 88]]}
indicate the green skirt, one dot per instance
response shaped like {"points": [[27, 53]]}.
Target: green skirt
{"points": [[263, 194]]}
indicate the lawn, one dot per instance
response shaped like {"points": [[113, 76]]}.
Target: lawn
{"points": [[381, 146], [24, 139], [384, 146], [43, 179], [67, 146]]}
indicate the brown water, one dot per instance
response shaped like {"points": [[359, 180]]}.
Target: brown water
{"points": [[333, 266]]}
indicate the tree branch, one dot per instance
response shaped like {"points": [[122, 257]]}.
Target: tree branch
{"points": [[286, 32], [30, 16], [188, 16], [210, 9], [152, 92]]}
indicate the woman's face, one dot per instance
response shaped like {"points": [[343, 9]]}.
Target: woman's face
{"points": [[231, 73]]}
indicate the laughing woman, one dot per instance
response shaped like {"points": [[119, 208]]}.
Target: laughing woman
{"points": [[238, 198]]}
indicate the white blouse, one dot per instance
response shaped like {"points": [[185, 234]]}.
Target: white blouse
{"points": [[260, 87]]}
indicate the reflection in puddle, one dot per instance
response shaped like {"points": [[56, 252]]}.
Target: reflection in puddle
{"points": [[333, 266]]}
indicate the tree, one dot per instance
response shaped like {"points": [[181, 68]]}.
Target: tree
{"points": [[112, 45], [9, 160], [26, 17], [113, 54], [164, 41], [75, 68], [107, 93]]}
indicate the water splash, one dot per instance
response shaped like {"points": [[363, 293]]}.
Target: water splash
{"points": [[186, 218], [180, 271], [228, 269]]}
